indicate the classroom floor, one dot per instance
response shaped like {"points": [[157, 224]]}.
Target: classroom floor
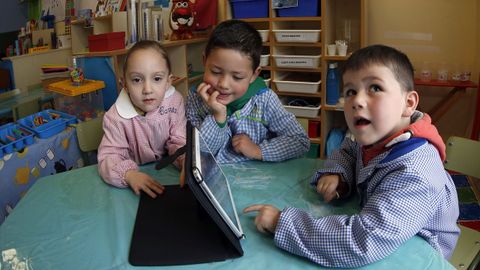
{"points": [[468, 203]]}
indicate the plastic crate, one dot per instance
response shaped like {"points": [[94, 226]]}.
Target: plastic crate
{"points": [[297, 61], [242, 9], [106, 42], [305, 8], [84, 102], [303, 107], [14, 137], [308, 83], [263, 35], [264, 60], [52, 122], [298, 36]]}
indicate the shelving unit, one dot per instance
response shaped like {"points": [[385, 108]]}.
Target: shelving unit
{"points": [[182, 53], [116, 22], [334, 16], [336, 13]]}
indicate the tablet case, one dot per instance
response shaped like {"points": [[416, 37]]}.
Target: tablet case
{"points": [[181, 226]]}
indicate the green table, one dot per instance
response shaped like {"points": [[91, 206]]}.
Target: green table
{"points": [[74, 220]]}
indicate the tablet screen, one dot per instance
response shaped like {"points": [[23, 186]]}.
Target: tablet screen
{"points": [[214, 183]]}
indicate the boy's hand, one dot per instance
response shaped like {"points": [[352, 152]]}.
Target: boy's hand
{"points": [[209, 96], [327, 187], [267, 218], [141, 181], [242, 144]]}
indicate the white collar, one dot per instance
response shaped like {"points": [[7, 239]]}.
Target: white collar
{"points": [[125, 107]]}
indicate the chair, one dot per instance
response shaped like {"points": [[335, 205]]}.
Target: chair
{"points": [[89, 134], [463, 156]]}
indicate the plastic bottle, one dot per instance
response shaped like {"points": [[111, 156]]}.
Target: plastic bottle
{"points": [[333, 83]]}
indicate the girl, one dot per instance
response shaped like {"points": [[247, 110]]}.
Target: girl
{"points": [[146, 122]]}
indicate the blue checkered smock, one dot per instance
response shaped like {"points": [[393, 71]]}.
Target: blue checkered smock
{"points": [[403, 192], [263, 119]]}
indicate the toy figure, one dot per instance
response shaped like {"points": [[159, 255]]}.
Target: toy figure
{"points": [[181, 19], [76, 76]]}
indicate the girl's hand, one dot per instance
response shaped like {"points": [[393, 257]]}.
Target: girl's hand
{"points": [[327, 187], [209, 96], [141, 181], [267, 218], [242, 144]]}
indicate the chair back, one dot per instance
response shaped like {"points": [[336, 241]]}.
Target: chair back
{"points": [[89, 134], [463, 156]]}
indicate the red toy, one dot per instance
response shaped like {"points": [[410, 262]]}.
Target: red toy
{"points": [[181, 19]]}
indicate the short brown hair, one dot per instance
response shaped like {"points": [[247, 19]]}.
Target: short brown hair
{"points": [[392, 58]]}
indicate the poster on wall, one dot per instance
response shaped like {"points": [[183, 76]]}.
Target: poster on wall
{"points": [[54, 7]]}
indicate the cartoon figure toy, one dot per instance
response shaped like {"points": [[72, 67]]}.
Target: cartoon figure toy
{"points": [[76, 76], [181, 19]]}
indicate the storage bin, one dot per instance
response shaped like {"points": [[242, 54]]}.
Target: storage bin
{"points": [[297, 61], [267, 82], [302, 107], [249, 8], [47, 123], [298, 82], [298, 36], [263, 35], [14, 137], [313, 129], [305, 8], [84, 102], [106, 42], [314, 151], [264, 60]]}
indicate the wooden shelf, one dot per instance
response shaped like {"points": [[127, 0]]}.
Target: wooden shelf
{"points": [[449, 83], [282, 93]]}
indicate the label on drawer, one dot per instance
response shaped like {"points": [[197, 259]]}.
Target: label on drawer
{"points": [[295, 62]]}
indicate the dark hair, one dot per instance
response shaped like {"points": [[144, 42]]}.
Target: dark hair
{"points": [[144, 45], [237, 35], [392, 58]]}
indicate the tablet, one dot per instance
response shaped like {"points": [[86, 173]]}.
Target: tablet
{"points": [[214, 183], [197, 223]]}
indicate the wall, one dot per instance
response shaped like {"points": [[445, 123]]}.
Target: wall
{"points": [[432, 31], [13, 15]]}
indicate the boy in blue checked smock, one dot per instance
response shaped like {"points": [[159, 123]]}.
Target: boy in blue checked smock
{"points": [[394, 164], [239, 117]]}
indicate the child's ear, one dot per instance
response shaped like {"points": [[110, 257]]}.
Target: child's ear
{"points": [[411, 103], [255, 74]]}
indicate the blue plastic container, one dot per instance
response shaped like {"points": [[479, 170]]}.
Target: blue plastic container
{"points": [[14, 137], [242, 9], [53, 122], [305, 8]]}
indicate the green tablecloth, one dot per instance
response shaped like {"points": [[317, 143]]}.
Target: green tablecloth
{"points": [[74, 220]]}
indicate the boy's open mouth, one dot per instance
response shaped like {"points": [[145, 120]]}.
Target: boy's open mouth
{"points": [[362, 122]]}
